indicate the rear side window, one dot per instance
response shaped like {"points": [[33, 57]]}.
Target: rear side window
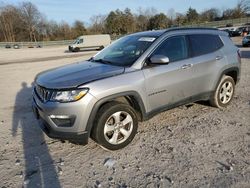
{"points": [[203, 44]]}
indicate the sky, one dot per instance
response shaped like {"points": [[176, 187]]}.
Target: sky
{"points": [[71, 10]]}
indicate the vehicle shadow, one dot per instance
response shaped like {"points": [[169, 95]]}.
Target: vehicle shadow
{"points": [[39, 166], [203, 103], [84, 50]]}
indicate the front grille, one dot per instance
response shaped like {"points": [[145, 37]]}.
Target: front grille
{"points": [[43, 93]]}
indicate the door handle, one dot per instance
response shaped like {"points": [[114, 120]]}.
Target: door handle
{"points": [[186, 66], [218, 57]]}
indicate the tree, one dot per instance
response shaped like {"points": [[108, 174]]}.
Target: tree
{"points": [[180, 19], [142, 18], [6, 22], [242, 9], [98, 24], [120, 22], [192, 15], [210, 15], [112, 26], [128, 22], [171, 14], [159, 21], [30, 17], [141, 23], [78, 28]]}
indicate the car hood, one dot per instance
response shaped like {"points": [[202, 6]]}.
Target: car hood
{"points": [[74, 75]]}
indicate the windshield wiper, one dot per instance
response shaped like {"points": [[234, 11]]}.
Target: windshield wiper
{"points": [[101, 61]]}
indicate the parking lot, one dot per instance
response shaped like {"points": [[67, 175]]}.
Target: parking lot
{"points": [[189, 146]]}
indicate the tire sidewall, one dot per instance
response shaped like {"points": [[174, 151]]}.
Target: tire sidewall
{"points": [[223, 80], [103, 117]]}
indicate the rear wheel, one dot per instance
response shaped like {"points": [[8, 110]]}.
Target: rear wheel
{"points": [[115, 126], [224, 92]]}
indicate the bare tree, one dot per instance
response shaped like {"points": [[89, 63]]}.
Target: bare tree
{"points": [[143, 16], [31, 18], [180, 19], [171, 14], [98, 23], [210, 14], [244, 5], [8, 19]]}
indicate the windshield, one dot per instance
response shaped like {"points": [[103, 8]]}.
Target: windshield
{"points": [[75, 42], [78, 41], [125, 51]]}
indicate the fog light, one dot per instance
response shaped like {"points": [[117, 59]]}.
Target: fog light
{"points": [[63, 120]]}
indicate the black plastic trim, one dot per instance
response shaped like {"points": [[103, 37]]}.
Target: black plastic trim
{"points": [[199, 97], [110, 98], [81, 138], [145, 116], [227, 71]]}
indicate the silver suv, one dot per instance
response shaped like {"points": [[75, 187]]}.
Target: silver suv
{"points": [[133, 79]]}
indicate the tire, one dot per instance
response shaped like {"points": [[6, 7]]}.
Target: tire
{"points": [[224, 92], [101, 47], [115, 126], [76, 50]]}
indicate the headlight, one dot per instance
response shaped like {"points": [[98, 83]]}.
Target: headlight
{"points": [[68, 96]]}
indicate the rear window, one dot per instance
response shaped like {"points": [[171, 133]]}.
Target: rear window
{"points": [[204, 43]]}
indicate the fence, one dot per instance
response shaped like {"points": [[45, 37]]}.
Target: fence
{"points": [[223, 23], [37, 44]]}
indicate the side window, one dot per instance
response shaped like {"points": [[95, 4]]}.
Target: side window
{"points": [[80, 41], [204, 43], [175, 48]]}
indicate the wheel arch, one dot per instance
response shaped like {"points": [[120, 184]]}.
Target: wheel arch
{"points": [[130, 97], [233, 72]]}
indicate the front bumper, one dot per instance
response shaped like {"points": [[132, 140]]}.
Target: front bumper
{"points": [[80, 110], [81, 138]]}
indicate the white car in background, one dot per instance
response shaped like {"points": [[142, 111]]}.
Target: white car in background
{"points": [[97, 42]]}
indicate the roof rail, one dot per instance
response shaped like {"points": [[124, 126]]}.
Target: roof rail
{"points": [[191, 28]]}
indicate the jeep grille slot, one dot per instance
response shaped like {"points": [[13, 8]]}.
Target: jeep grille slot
{"points": [[43, 93]]}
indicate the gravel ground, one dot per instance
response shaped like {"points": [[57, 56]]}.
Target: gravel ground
{"points": [[190, 146]]}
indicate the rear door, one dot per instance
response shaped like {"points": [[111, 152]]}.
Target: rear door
{"points": [[169, 83], [207, 58]]}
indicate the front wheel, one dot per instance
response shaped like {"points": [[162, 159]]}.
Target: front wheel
{"points": [[101, 47], [115, 126], [224, 92], [76, 49]]}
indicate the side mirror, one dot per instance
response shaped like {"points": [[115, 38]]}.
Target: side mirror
{"points": [[159, 59]]}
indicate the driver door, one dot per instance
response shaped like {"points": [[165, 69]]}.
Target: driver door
{"points": [[170, 83]]}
